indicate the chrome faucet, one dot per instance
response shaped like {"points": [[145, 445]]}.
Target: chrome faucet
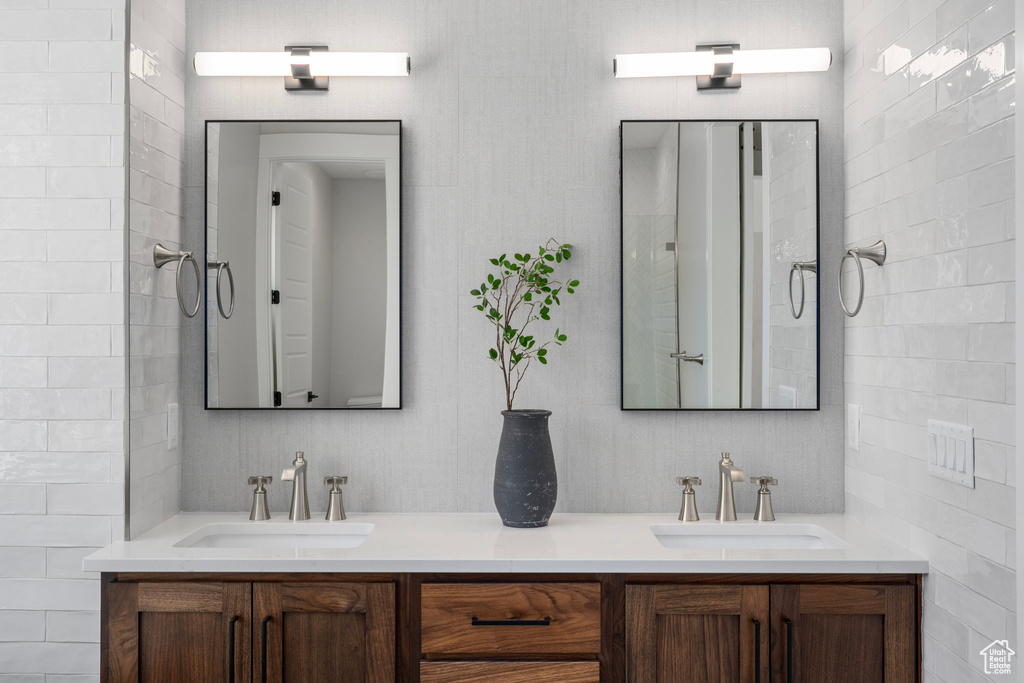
{"points": [[727, 474], [297, 475]]}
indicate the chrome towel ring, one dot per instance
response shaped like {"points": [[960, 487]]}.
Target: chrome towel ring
{"points": [[876, 253], [800, 267], [221, 267], [162, 256]]}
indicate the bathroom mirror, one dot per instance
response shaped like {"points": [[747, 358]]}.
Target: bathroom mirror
{"points": [[303, 248], [719, 265]]}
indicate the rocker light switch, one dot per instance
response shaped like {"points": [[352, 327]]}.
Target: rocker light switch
{"points": [[951, 452]]}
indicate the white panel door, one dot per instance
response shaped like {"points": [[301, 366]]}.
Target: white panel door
{"points": [[293, 278]]}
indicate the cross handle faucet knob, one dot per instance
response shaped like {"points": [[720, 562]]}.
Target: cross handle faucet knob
{"points": [[335, 482], [259, 480]]}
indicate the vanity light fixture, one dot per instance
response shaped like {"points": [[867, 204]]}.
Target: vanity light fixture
{"points": [[721, 65], [303, 67]]}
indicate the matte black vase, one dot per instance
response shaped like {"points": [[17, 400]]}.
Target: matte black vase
{"points": [[525, 482]]}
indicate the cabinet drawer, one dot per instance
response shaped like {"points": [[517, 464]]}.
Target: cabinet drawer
{"points": [[511, 618], [510, 672]]}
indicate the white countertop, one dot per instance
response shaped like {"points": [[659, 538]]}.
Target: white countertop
{"points": [[457, 542]]}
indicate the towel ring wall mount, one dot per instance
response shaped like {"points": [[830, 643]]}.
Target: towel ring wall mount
{"points": [[876, 252], [222, 267], [162, 256], [799, 267]]}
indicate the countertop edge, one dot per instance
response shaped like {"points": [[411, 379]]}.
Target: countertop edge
{"points": [[454, 543], [752, 566]]}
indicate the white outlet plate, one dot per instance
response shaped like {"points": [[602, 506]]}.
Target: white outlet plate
{"points": [[951, 452], [853, 426], [172, 426]]}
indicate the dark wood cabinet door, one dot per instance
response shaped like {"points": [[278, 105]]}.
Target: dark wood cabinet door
{"points": [[696, 634], [174, 632], [844, 634], [324, 632]]}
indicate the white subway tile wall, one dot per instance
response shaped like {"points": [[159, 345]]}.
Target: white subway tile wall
{"points": [[62, 328], [929, 140], [156, 208]]}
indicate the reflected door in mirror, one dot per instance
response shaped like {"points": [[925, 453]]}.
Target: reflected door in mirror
{"points": [[308, 216]]}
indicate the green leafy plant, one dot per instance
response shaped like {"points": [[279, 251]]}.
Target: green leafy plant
{"points": [[519, 294]]}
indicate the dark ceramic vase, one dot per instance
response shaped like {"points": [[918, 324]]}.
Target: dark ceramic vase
{"points": [[525, 482]]}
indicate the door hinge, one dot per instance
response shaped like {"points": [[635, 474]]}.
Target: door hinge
{"points": [[275, 198], [310, 396], [275, 296], [277, 399]]}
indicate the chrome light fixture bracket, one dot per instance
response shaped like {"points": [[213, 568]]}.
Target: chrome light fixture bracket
{"points": [[302, 78], [723, 78]]}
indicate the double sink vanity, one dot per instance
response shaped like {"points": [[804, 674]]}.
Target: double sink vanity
{"points": [[459, 597]]}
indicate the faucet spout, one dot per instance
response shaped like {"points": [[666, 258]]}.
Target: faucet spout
{"points": [[297, 475], [728, 473]]}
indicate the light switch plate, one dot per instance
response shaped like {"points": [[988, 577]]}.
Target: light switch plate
{"points": [[172, 426], [853, 426], [951, 452]]}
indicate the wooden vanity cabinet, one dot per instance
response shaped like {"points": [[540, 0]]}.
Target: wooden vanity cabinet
{"points": [[844, 634], [323, 632], [240, 631], [522, 628], [783, 632], [697, 633], [502, 632], [510, 672], [173, 632]]}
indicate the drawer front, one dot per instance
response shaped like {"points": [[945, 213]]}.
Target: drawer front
{"points": [[510, 672], [511, 618]]}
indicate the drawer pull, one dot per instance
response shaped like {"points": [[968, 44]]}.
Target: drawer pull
{"points": [[790, 674], [263, 652], [757, 651], [546, 621], [231, 648]]}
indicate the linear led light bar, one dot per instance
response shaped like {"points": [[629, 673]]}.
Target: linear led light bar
{"points": [[304, 67], [722, 63]]}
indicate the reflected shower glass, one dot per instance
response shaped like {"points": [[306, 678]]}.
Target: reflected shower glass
{"points": [[716, 216]]}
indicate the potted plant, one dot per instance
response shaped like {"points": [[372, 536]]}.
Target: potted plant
{"points": [[520, 294]]}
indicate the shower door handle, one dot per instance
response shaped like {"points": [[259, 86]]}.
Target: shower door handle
{"points": [[699, 358]]}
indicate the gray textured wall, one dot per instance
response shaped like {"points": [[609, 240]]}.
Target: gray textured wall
{"points": [[511, 136]]}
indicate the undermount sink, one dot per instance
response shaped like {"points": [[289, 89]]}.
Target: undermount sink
{"points": [[278, 535], [746, 536]]}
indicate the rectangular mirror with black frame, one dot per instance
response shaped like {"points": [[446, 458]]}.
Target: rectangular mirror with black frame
{"points": [[303, 249], [719, 253]]}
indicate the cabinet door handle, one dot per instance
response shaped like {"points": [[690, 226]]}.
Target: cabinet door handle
{"points": [[546, 621], [790, 674], [231, 649], [263, 650], [757, 651]]}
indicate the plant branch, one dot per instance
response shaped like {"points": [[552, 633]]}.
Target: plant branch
{"points": [[510, 302]]}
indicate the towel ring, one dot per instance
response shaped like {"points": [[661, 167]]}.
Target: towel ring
{"points": [[162, 256], [221, 267], [800, 267], [876, 253]]}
